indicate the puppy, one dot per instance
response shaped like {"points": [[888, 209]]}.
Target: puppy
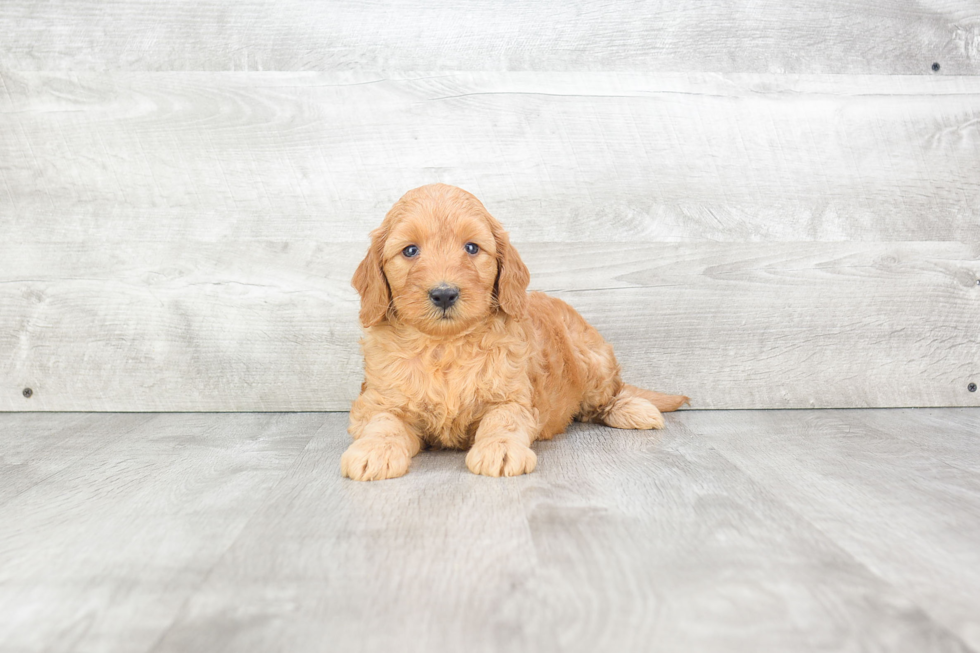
{"points": [[458, 354]]}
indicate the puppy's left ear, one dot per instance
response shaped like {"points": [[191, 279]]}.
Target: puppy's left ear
{"points": [[370, 282], [512, 275]]}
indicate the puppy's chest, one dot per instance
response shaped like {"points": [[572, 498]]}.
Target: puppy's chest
{"points": [[444, 391]]}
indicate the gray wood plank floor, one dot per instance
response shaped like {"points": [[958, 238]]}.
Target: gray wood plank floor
{"points": [[838, 530]]}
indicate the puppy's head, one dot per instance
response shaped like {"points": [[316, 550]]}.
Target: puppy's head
{"points": [[440, 262]]}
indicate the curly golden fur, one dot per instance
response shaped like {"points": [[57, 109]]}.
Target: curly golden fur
{"points": [[492, 368]]}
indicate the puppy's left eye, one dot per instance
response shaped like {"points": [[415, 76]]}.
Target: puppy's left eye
{"points": [[472, 248]]}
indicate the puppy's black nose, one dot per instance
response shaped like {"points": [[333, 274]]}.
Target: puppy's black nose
{"points": [[444, 296]]}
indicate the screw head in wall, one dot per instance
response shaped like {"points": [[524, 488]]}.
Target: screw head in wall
{"points": [[27, 393], [935, 67], [972, 387]]}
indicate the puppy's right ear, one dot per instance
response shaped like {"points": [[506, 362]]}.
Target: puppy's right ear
{"points": [[369, 280]]}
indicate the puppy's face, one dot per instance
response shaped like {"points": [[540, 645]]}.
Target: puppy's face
{"points": [[441, 263]]}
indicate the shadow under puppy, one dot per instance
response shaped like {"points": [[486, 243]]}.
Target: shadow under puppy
{"points": [[458, 354]]}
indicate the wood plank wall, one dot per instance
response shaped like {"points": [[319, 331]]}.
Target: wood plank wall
{"points": [[761, 205]]}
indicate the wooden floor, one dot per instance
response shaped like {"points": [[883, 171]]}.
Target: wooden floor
{"points": [[849, 530]]}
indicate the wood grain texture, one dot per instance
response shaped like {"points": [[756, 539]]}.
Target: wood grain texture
{"points": [[36, 447], [944, 434], [184, 241], [729, 531], [878, 490], [273, 325], [557, 157], [863, 36], [102, 554]]}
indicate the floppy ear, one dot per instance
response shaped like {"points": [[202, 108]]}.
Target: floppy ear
{"points": [[512, 276], [370, 282]]}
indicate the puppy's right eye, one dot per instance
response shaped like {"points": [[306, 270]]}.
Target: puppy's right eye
{"points": [[411, 251]]}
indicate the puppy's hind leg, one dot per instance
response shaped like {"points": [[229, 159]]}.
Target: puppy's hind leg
{"points": [[636, 408], [605, 398]]}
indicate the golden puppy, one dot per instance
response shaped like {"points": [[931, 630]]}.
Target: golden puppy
{"points": [[458, 354]]}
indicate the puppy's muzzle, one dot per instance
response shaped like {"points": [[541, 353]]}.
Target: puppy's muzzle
{"points": [[444, 296]]}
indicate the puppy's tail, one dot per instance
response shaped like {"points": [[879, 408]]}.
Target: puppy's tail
{"points": [[636, 408], [664, 403]]}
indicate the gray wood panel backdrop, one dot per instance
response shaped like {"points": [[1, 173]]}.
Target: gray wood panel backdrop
{"points": [[760, 204]]}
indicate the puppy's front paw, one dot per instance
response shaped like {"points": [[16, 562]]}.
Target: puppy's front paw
{"points": [[500, 457], [374, 459]]}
